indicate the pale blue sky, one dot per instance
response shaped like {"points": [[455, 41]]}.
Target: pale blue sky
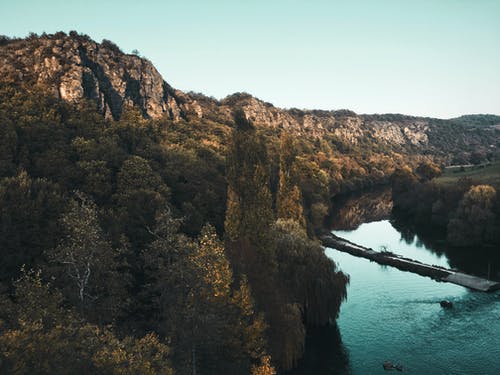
{"points": [[436, 58]]}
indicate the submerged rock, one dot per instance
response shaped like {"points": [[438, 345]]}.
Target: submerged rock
{"points": [[388, 366], [446, 304]]}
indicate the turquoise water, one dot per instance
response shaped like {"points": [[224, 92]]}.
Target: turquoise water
{"points": [[394, 315]]}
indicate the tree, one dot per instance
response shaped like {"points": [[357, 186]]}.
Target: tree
{"points": [[473, 221], [140, 194], [171, 288], [427, 171], [249, 214], [96, 179], [314, 289], [251, 326], [314, 188], [8, 148], [190, 287], [289, 198], [91, 271], [40, 335], [264, 368], [476, 157], [210, 260], [29, 213], [248, 182]]}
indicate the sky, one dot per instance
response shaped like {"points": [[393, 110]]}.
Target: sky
{"points": [[438, 58]]}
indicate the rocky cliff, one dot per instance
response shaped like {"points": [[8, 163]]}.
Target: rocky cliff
{"points": [[73, 67]]}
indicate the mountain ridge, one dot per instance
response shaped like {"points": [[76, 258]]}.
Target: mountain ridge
{"points": [[73, 66]]}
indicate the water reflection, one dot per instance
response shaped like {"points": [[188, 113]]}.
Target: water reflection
{"points": [[395, 315], [483, 262], [350, 211], [324, 354]]}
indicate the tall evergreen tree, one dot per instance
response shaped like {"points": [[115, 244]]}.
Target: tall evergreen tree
{"points": [[289, 199], [249, 214]]}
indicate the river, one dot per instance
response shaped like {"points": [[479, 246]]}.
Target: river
{"points": [[396, 316]]}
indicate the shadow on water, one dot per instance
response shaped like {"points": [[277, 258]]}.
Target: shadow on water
{"points": [[324, 353], [483, 262]]}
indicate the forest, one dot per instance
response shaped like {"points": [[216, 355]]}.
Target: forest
{"points": [[146, 246]]}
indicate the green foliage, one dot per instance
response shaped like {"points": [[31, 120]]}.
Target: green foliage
{"points": [[249, 212], [132, 252], [218, 329], [111, 46], [148, 188], [29, 213], [473, 221], [264, 368], [427, 171], [41, 336], [312, 279], [462, 209], [460, 138], [211, 262], [140, 193], [289, 197], [90, 272]]}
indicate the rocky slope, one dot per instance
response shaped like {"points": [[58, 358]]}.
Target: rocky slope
{"points": [[74, 66]]}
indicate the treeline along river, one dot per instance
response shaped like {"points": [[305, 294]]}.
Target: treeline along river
{"points": [[394, 315]]}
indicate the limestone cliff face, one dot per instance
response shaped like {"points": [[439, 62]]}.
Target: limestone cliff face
{"points": [[345, 125], [75, 67]]}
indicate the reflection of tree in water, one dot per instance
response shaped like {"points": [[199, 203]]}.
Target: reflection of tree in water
{"points": [[418, 236], [351, 210], [407, 233], [324, 354], [470, 260]]}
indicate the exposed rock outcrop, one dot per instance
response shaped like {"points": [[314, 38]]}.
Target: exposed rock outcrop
{"points": [[73, 67]]}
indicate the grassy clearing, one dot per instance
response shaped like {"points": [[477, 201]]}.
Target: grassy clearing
{"points": [[484, 174]]}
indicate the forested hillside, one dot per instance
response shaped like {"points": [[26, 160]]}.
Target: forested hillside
{"points": [[115, 240], [145, 230]]}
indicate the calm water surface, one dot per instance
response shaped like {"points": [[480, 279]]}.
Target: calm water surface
{"points": [[394, 315]]}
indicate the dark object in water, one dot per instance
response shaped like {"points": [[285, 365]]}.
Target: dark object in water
{"points": [[388, 366], [446, 304]]}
